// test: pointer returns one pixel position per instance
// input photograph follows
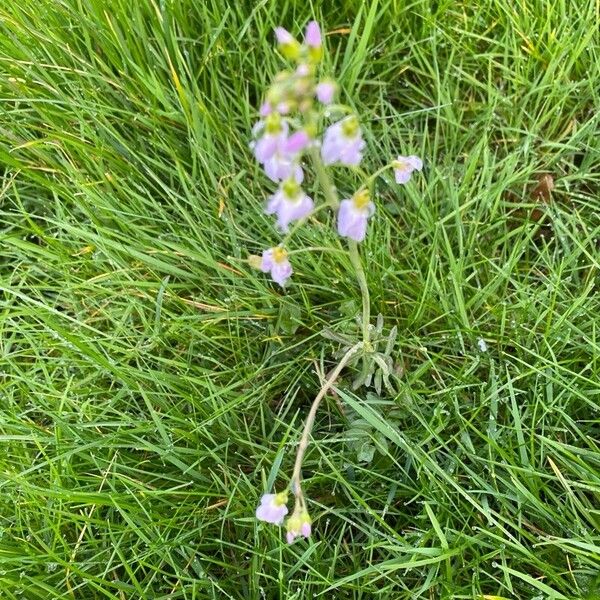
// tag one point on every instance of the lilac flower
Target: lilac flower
(353, 216)
(325, 91)
(297, 142)
(276, 261)
(298, 524)
(404, 166)
(271, 149)
(343, 143)
(284, 36)
(281, 166)
(272, 508)
(303, 70)
(289, 203)
(273, 132)
(313, 35)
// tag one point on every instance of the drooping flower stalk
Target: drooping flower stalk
(310, 419)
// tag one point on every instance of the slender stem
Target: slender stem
(324, 179)
(310, 419)
(377, 173)
(364, 289)
(332, 200)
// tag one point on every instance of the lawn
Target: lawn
(153, 384)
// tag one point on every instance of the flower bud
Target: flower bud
(255, 261)
(325, 91)
(313, 42)
(299, 523)
(288, 45)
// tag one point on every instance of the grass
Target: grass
(152, 384)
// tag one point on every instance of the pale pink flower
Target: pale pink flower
(272, 508)
(343, 143)
(275, 260)
(313, 35)
(288, 45)
(297, 142)
(289, 203)
(270, 150)
(314, 42)
(353, 216)
(404, 166)
(280, 166)
(303, 70)
(325, 91)
(283, 108)
(273, 133)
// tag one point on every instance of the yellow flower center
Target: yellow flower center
(361, 199)
(315, 53)
(350, 127)
(290, 188)
(281, 498)
(400, 164)
(273, 123)
(279, 256)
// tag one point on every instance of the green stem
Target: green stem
(364, 289)
(377, 173)
(324, 179)
(332, 200)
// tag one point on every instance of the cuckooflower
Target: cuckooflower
(302, 70)
(270, 149)
(265, 109)
(404, 166)
(353, 216)
(272, 508)
(343, 143)
(280, 166)
(313, 35)
(289, 203)
(273, 132)
(283, 108)
(276, 261)
(325, 91)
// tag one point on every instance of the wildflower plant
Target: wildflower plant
(301, 129)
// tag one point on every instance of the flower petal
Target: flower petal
(313, 35)
(325, 92)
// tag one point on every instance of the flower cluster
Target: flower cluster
(273, 509)
(290, 119)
